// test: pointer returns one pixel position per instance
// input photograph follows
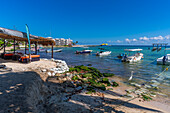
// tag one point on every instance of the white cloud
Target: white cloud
(127, 40)
(144, 38)
(167, 37)
(134, 40)
(157, 38)
(118, 41)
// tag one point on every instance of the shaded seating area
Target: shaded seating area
(22, 36)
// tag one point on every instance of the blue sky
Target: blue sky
(91, 21)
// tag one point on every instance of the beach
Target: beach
(27, 88)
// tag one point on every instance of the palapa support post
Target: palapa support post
(36, 48)
(4, 45)
(25, 47)
(30, 52)
(52, 51)
(14, 45)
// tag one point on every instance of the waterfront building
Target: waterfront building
(62, 41)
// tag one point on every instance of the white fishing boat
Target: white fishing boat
(132, 58)
(84, 51)
(103, 53)
(164, 60)
(58, 50)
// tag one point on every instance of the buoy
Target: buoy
(166, 69)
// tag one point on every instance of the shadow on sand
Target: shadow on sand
(13, 97)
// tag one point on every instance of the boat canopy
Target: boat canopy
(133, 49)
(22, 36)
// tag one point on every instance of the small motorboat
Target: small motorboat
(154, 48)
(104, 44)
(159, 48)
(134, 58)
(84, 52)
(164, 60)
(49, 51)
(103, 53)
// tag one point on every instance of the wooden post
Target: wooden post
(25, 47)
(52, 51)
(36, 48)
(14, 45)
(4, 45)
(30, 53)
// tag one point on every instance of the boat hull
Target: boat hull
(160, 61)
(104, 53)
(137, 57)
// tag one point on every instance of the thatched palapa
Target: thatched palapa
(22, 36)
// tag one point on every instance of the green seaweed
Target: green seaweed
(75, 78)
(87, 75)
(99, 86)
(108, 74)
(146, 98)
(115, 84)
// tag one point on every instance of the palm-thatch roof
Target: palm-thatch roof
(22, 36)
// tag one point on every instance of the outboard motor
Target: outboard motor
(164, 60)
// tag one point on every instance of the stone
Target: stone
(49, 73)
(45, 59)
(79, 88)
(152, 95)
(53, 74)
(65, 99)
(129, 95)
(43, 70)
(136, 85)
(129, 90)
(52, 59)
(147, 86)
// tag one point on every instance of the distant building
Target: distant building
(62, 41)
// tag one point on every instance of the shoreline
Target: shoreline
(115, 95)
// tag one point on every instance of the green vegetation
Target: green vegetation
(92, 77)
(146, 97)
(108, 74)
(75, 78)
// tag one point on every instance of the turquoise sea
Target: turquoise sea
(145, 70)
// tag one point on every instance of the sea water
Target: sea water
(146, 70)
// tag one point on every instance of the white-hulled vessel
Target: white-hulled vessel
(164, 60)
(134, 58)
(58, 50)
(103, 53)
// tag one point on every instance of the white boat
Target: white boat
(134, 58)
(84, 51)
(103, 53)
(164, 60)
(58, 50)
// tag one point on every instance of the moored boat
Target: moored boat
(164, 60)
(134, 58)
(84, 51)
(58, 50)
(103, 53)
(104, 44)
(154, 48)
